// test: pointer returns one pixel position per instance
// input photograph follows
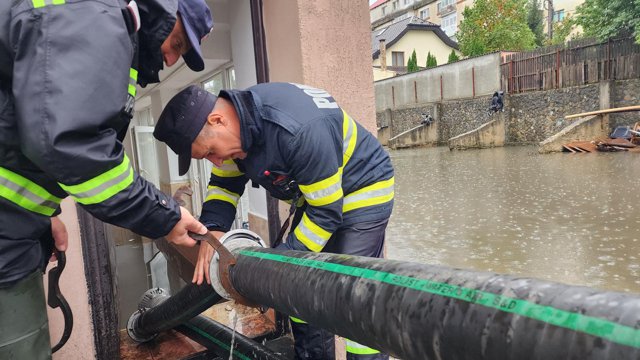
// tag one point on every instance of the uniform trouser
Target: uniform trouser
(362, 239)
(24, 327)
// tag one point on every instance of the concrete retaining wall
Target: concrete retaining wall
(478, 76)
(491, 134)
(384, 135)
(421, 135)
(584, 129)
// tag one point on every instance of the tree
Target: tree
(535, 19)
(608, 18)
(412, 64)
(431, 60)
(453, 57)
(562, 30)
(492, 25)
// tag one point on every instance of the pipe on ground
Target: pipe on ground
(160, 312)
(416, 311)
(221, 340)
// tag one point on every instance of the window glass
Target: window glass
(397, 58)
(214, 84)
(231, 75)
(449, 24)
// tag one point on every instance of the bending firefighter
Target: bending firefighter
(297, 143)
(68, 74)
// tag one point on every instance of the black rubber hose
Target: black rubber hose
(218, 338)
(416, 311)
(163, 312)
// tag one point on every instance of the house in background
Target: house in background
(445, 13)
(448, 13)
(391, 46)
(561, 10)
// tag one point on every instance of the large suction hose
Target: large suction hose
(415, 311)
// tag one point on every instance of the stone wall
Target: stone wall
(537, 115)
(625, 93)
(453, 117)
(529, 118)
(461, 116)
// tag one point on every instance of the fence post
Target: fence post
(393, 96)
(510, 82)
(557, 69)
(415, 90)
(441, 92)
(473, 80)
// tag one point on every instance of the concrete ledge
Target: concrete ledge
(421, 135)
(383, 135)
(491, 134)
(585, 129)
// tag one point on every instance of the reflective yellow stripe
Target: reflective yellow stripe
(349, 137)
(103, 186)
(133, 79)
(375, 194)
(296, 320)
(311, 235)
(329, 190)
(218, 193)
(43, 3)
(325, 191)
(228, 169)
(355, 348)
(27, 194)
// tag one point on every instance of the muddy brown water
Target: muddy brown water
(571, 218)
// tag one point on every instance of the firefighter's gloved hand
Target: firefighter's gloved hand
(178, 235)
(292, 244)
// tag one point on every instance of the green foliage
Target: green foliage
(492, 25)
(608, 18)
(431, 60)
(561, 31)
(453, 57)
(412, 63)
(535, 19)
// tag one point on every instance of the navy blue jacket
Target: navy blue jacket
(299, 141)
(65, 77)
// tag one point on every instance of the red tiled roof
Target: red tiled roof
(377, 3)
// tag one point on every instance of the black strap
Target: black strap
(285, 225)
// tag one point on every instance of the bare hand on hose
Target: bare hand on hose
(60, 236)
(178, 235)
(205, 254)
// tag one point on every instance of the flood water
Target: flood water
(571, 218)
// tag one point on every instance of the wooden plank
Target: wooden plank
(605, 111)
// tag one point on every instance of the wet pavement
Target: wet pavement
(571, 218)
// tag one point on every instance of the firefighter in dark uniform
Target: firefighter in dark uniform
(68, 74)
(297, 143)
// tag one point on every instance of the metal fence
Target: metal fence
(578, 63)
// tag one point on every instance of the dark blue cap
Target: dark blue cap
(197, 21)
(181, 122)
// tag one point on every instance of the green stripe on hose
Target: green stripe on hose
(609, 330)
(218, 342)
